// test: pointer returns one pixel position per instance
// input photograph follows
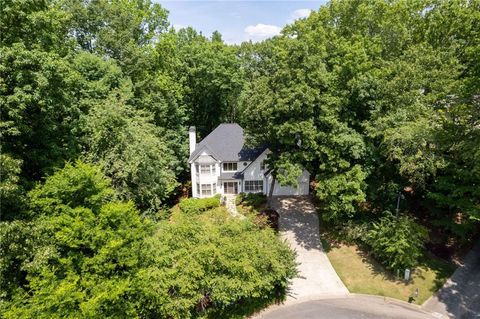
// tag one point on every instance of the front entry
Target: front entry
(230, 188)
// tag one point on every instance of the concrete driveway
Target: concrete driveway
(460, 296)
(299, 225)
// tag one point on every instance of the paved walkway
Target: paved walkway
(460, 296)
(232, 206)
(299, 225)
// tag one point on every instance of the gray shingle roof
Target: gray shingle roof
(227, 144)
(230, 176)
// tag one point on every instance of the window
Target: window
(198, 189)
(206, 189)
(207, 169)
(262, 165)
(197, 169)
(214, 188)
(254, 186)
(229, 167)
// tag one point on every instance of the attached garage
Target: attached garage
(302, 189)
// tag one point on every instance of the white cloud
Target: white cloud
(261, 31)
(298, 14)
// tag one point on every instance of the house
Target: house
(221, 164)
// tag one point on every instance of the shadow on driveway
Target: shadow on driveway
(460, 296)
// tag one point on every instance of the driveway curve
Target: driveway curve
(299, 225)
(351, 307)
(459, 298)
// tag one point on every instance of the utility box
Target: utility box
(407, 275)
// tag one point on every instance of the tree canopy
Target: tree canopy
(378, 100)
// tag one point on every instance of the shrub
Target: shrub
(256, 200)
(268, 217)
(212, 265)
(239, 199)
(199, 205)
(397, 242)
(353, 231)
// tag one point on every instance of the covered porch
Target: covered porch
(230, 183)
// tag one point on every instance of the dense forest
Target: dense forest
(379, 100)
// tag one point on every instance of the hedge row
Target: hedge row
(199, 205)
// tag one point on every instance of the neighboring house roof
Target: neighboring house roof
(227, 144)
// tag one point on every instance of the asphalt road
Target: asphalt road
(352, 307)
(460, 296)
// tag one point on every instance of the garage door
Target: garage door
(302, 189)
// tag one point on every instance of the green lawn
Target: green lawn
(361, 274)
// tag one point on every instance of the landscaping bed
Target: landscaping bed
(362, 274)
(255, 205)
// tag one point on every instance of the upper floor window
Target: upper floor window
(262, 165)
(230, 167)
(207, 169)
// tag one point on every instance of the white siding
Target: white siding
(251, 171)
(302, 189)
(203, 178)
(254, 172)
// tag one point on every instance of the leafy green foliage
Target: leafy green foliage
(255, 200)
(194, 206)
(78, 185)
(373, 97)
(87, 252)
(212, 263)
(119, 29)
(397, 242)
(11, 193)
(17, 241)
(212, 76)
(37, 24)
(39, 108)
(131, 150)
(340, 194)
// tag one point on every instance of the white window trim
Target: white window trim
(210, 190)
(234, 170)
(257, 186)
(211, 169)
(207, 188)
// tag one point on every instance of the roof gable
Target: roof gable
(227, 142)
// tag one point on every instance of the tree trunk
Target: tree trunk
(270, 191)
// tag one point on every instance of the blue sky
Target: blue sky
(237, 21)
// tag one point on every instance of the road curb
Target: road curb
(395, 301)
(389, 300)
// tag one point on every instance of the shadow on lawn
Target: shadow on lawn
(442, 270)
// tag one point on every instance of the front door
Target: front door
(230, 187)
